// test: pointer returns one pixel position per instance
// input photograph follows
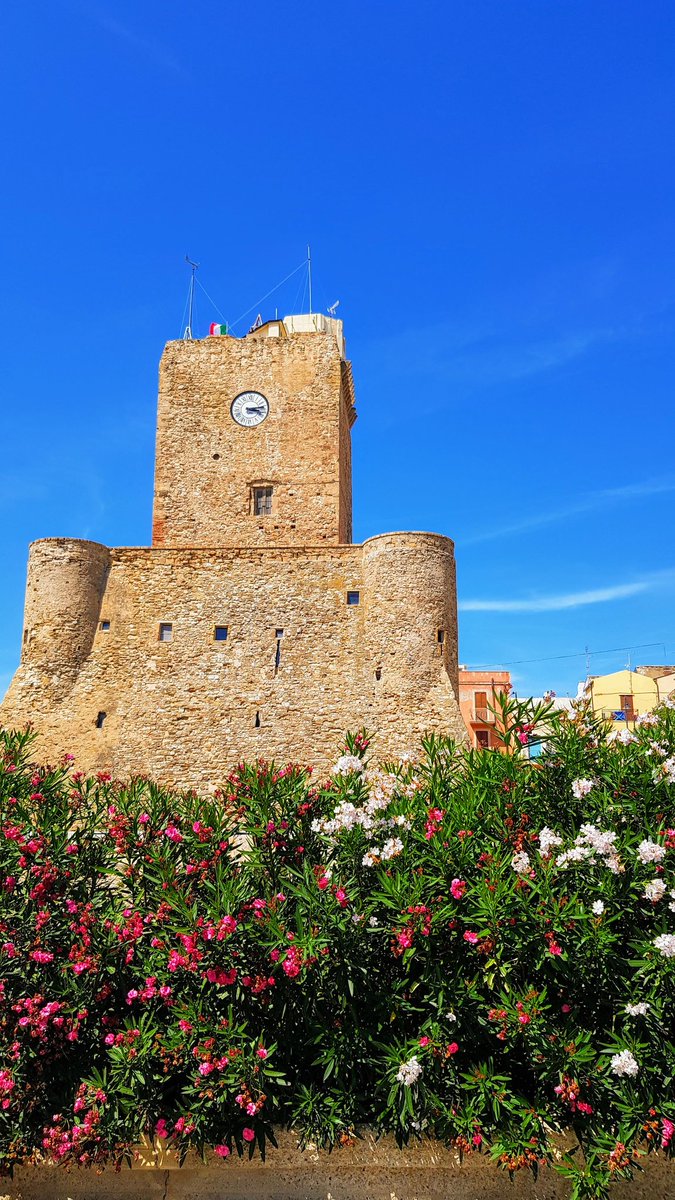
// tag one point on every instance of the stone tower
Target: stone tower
(252, 626)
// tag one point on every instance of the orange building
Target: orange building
(478, 691)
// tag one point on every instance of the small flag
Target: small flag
(217, 330)
(619, 716)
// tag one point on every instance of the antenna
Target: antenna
(332, 308)
(309, 276)
(187, 335)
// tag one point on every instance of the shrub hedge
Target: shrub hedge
(466, 945)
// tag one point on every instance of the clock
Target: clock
(249, 408)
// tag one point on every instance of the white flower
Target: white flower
(623, 1064)
(357, 918)
(597, 908)
(410, 1072)
(622, 735)
(581, 787)
(601, 842)
(373, 922)
(348, 765)
(665, 944)
(655, 890)
(521, 862)
(669, 766)
(547, 839)
(647, 718)
(370, 859)
(451, 1016)
(649, 851)
(637, 1010)
(392, 847)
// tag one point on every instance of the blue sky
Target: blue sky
(487, 189)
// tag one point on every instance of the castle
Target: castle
(253, 626)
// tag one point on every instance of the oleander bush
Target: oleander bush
(465, 945)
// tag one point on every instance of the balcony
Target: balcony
(483, 716)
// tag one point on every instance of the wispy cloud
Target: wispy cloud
(149, 47)
(591, 502)
(483, 354)
(555, 603)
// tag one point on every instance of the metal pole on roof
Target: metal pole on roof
(187, 336)
(309, 275)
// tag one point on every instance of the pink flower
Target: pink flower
(667, 1131)
(477, 1139)
(524, 1018)
(206, 1068)
(458, 888)
(173, 833)
(554, 948)
(566, 1008)
(221, 1151)
(261, 1052)
(471, 937)
(161, 1130)
(41, 956)
(452, 1049)
(424, 1041)
(248, 1134)
(132, 995)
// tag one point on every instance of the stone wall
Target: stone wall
(184, 710)
(369, 1170)
(207, 464)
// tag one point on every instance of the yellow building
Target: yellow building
(624, 695)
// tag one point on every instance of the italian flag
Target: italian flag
(218, 330)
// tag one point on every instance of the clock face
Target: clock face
(249, 408)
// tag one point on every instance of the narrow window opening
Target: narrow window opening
(262, 501)
(216, 457)
(220, 633)
(257, 720)
(104, 626)
(441, 636)
(100, 719)
(277, 655)
(279, 633)
(165, 632)
(353, 598)
(25, 636)
(378, 672)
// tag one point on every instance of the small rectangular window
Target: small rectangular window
(441, 636)
(353, 598)
(262, 501)
(104, 626)
(483, 739)
(279, 633)
(220, 633)
(165, 632)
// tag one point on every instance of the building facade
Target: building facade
(478, 694)
(622, 696)
(253, 626)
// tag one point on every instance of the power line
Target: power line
(516, 662)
